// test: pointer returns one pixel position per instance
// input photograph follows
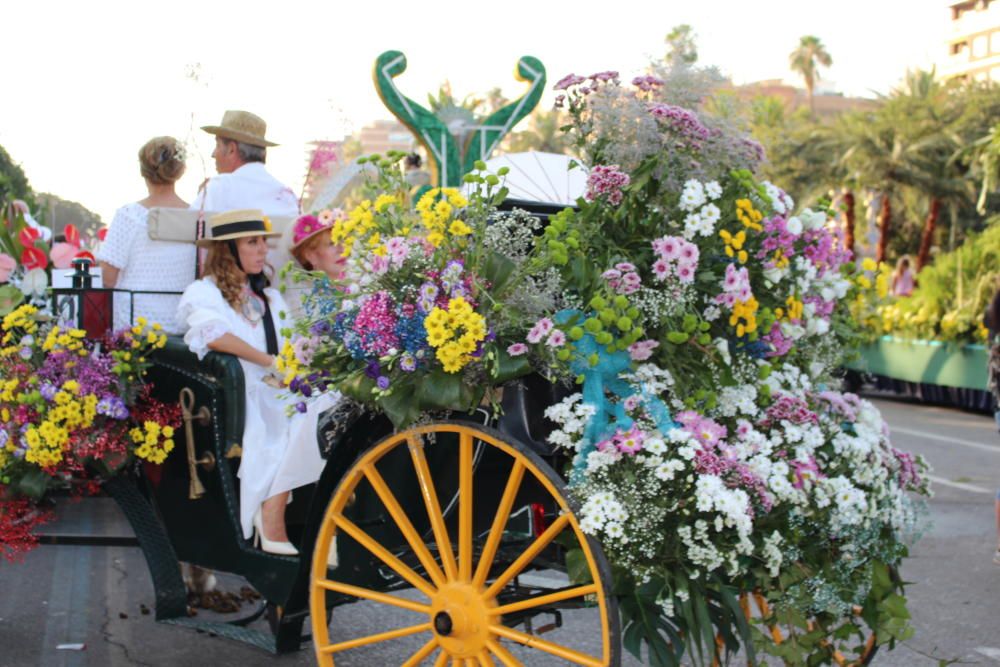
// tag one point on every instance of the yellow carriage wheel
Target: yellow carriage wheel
(465, 617)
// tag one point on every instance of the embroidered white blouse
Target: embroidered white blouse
(280, 452)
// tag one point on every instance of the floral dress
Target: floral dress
(280, 452)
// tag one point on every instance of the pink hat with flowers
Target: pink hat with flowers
(308, 226)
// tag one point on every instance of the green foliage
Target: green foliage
(13, 182)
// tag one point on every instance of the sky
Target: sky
(87, 83)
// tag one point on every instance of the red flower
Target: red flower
(33, 258)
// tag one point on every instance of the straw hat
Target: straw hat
(241, 126)
(237, 224)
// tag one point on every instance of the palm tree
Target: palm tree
(806, 60)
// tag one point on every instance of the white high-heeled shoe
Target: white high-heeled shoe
(261, 542)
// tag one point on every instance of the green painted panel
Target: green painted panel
(930, 362)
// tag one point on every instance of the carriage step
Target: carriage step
(92, 521)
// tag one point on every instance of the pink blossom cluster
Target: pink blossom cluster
(544, 329)
(607, 181)
(675, 256)
(647, 82)
(779, 342)
(735, 286)
(846, 405)
(626, 442)
(569, 81)
(805, 472)
(623, 278)
(776, 237)
(716, 457)
(703, 429)
(375, 324)
(642, 350)
(682, 121)
(789, 408)
(825, 249)
(909, 475)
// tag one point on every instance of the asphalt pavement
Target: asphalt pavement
(62, 596)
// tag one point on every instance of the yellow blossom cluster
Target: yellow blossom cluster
(779, 259)
(744, 316)
(16, 324)
(70, 340)
(455, 333)
(149, 445)
(358, 224)
(436, 208)
(795, 308)
(288, 363)
(734, 245)
(748, 215)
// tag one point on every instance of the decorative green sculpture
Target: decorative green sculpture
(450, 161)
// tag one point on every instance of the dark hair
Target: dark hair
(413, 160)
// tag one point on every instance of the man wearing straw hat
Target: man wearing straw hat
(243, 181)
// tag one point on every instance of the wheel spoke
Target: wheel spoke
(496, 531)
(404, 524)
(503, 654)
(425, 651)
(374, 639)
(383, 554)
(374, 596)
(485, 660)
(522, 561)
(433, 506)
(442, 659)
(465, 507)
(551, 648)
(557, 596)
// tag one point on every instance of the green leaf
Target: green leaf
(33, 483)
(400, 408)
(577, 568)
(10, 298)
(498, 270)
(508, 367)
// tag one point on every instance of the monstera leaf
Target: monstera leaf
(10, 298)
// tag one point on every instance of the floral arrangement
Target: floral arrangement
(432, 292)
(72, 411)
(702, 319)
(26, 260)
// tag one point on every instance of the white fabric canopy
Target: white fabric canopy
(541, 177)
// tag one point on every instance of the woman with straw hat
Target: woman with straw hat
(232, 309)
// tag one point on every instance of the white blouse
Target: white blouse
(144, 264)
(280, 451)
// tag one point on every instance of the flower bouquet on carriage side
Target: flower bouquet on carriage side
(72, 412)
(743, 501)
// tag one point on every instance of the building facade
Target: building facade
(973, 41)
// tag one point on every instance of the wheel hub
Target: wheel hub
(461, 617)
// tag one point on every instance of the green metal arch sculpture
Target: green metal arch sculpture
(449, 161)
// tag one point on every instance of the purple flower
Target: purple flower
(606, 181)
(408, 363)
(567, 81)
(302, 407)
(382, 382)
(517, 349)
(373, 370)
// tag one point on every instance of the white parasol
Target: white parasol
(542, 177)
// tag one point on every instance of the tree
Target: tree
(806, 60)
(13, 182)
(681, 47)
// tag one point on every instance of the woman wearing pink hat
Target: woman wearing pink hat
(312, 246)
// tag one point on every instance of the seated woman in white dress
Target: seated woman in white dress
(233, 310)
(130, 260)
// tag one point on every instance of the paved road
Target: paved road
(96, 595)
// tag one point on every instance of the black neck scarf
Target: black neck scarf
(258, 281)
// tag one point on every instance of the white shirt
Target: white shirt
(250, 186)
(144, 264)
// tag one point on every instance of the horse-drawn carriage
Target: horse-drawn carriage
(460, 528)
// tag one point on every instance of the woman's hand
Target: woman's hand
(232, 344)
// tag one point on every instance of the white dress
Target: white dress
(250, 186)
(144, 264)
(280, 452)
